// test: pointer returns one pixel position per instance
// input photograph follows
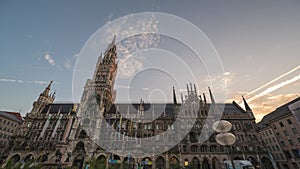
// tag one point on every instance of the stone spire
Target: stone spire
(211, 96)
(43, 100)
(47, 89)
(204, 98)
(247, 107)
(187, 88)
(174, 96)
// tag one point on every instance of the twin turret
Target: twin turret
(44, 99)
(192, 96)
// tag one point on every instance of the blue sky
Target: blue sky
(257, 41)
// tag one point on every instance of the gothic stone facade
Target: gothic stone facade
(55, 134)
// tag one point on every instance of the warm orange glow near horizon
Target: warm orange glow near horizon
(266, 104)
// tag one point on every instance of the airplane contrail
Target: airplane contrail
(275, 87)
(274, 80)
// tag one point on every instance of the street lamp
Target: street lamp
(224, 137)
(186, 163)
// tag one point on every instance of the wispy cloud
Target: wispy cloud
(49, 59)
(275, 87)
(267, 103)
(274, 80)
(8, 80)
(225, 77)
(70, 61)
(220, 82)
(68, 64)
(128, 65)
(40, 82)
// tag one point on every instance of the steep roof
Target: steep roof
(169, 107)
(133, 108)
(64, 107)
(276, 114)
(14, 116)
(148, 108)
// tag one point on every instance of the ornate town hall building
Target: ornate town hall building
(73, 135)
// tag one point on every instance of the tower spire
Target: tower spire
(47, 89)
(49, 85)
(112, 46)
(204, 98)
(187, 88)
(114, 40)
(211, 96)
(181, 97)
(195, 89)
(174, 96)
(247, 107)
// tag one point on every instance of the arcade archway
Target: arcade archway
(174, 163)
(205, 163)
(28, 159)
(147, 163)
(16, 158)
(266, 163)
(78, 161)
(196, 163)
(215, 163)
(101, 162)
(160, 163)
(114, 161)
(128, 162)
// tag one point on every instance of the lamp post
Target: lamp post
(224, 137)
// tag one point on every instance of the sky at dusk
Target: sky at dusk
(257, 42)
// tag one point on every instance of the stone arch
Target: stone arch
(114, 161)
(216, 163)
(174, 162)
(78, 161)
(160, 163)
(15, 158)
(147, 163)
(79, 148)
(205, 163)
(28, 158)
(102, 156)
(266, 163)
(195, 163)
(82, 134)
(101, 161)
(128, 162)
